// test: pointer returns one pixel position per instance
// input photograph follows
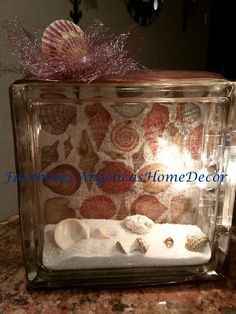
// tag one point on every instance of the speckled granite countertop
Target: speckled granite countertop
(210, 297)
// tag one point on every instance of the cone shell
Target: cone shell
(55, 118)
(138, 158)
(139, 224)
(129, 111)
(116, 170)
(188, 112)
(64, 39)
(196, 241)
(63, 179)
(98, 207)
(195, 141)
(68, 147)
(99, 120)
(57, 209)
(152, 185)
(154, 124)
(180, 205)
(49, 154)
(124, 137)
(149, 206)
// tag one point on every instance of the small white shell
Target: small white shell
(139, 224)
(120, 247)
(70, 231)
(142, 245)
(196, 241)
(100, 233)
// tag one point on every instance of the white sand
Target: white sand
(99, 253)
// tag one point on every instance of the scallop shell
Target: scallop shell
(55, 118)
(188, 112)
(180, 205)
(142, 245)
(88, 158)
(99, 120)
(138, 224)
(63, 179)
(114, 155)
(196, 241)
(149, 175)
(68, 147)
(195, 141)
(64, 39)
(149, 206)
(100, 233)
(57, 209)
(169, 242)
(129, 111)
(49, 154)
(98, 207)
(70, 231)
(154, 124)
(123, 137)
(138, 158)
(121, 178)
(120, 247)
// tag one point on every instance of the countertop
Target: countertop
(204, 297)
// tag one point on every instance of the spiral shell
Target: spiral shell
(68, 147)
(64, 39)
(129, 111)
(49, 155)
(123, 137)
(63, 179)
(196, 241)
(114, 155)
(55, 118)
(99, 120)
(57, 209)
(195, 141)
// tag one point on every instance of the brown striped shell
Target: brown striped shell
(49, 154)
(124, 137)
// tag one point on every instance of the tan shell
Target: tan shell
(49, 154)
(138, 224)
(68, 147)
(100, 233)
(55, 118)
(129, 110)
(120, 247)
(114, 155)
(142, 245)
(57, 209)
(123, 137)
(196, 241)
(138, 158)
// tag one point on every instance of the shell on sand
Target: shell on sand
(124, 137)
(142, 245)
(55, 118)
(63, 179)
(68, 147)
(98, 207)
(195, 141)
(49, 154)
(99, 120)
(180, 205)
(120, 247)
(196, 241)
(138, 158)
(129, 111)
(169, 242)
(154, 124)
(139, 224)
(57, 209)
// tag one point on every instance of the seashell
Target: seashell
(49, 155)
(68, 147)
(115, 178)
(142, 245)
(123, 211)
(88, 158)
(55, 118)
(129, 111)
(149, 206)
(123, 137)
(169, 242)
(154, 124)
(138, 158)
(120, 247)
(180, 205)
(63, 179)
(70, 231)
(188, 112)
(100, 233)
(195, 141)
(176, 137)
(196, 241)
(99, 120)
(57, 209)
(138, 224)
(149, 175)
(114, 155)
(98, 207)
(64, 39)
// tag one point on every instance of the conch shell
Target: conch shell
(49, 154)
(195, 141)
(138, 224)
(55, 118)
(99, 120)
(68, 147)
(129, 111)
(196, 241)
(123, 137)
(154, 124)
(120, 247)
(57, 209)
(138, 158)
(70, 231)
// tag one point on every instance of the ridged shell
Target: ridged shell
(138, 158)
(55, 118)
(114, 155)
(169, 242)
(49, 154)
(129, 111)
(142, 245)
(196, 241)
(123, 137)
(195, 141)
(57, 209)
(188, 112)
(100, 233)
(99, 120)
(70, 231)
(98, 207)
(180, 205)
(68, 147)
(138, 224)
(149, 206)
(63, 179)
(120, 247)
(64, 39)
(154, 124)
